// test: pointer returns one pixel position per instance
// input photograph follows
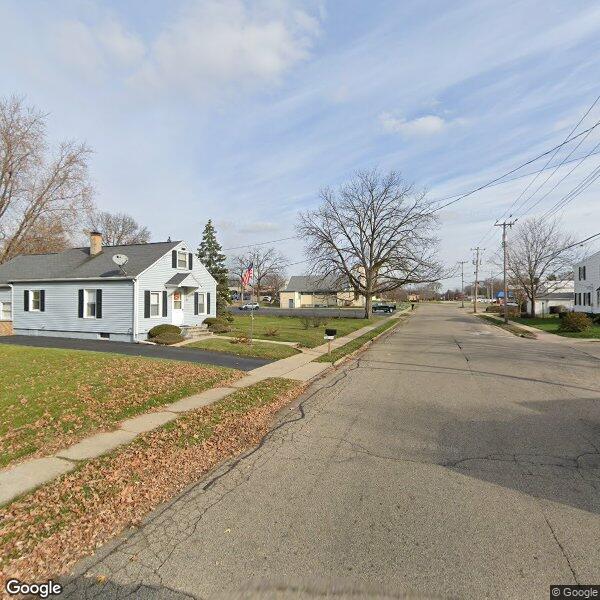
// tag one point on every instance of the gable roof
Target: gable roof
(314, 283)
(76, 263)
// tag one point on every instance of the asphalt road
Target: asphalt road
(174, 353)
(451, 459)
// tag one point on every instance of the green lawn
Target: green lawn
(292, 329)
(50, 398)
(518, 331)
(551, 325)
(257, 349)
(358, 342)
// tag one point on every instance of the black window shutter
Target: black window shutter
(26, 300)
(146, 304)
(80, 303)
(164, 303)
(195, 303)
(190, 261)
(42, 300)
(174, 259)
(208, 303)
(98, 304)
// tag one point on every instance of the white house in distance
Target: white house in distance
(587, 285)
(86, 293)
(554, 293)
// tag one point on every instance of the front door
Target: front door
(177, 308)
(290, 303)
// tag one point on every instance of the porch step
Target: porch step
(194, 331)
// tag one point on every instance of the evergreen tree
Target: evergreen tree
(209, 253)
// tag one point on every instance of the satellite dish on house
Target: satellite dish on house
(120, 259)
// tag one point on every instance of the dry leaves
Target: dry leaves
(50, 399)
(43, 533)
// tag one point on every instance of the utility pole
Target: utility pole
(504, 225)
(476, 262)
(491, 286)
(462, 282)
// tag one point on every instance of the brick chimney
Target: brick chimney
(95, 243)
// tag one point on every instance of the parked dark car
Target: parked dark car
(385, 308)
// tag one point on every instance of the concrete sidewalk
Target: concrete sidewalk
(25, 476)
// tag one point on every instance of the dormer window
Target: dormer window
(182, 260)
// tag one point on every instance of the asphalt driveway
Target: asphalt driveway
(174, 353)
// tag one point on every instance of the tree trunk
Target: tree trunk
(532, 312)
(368, 305)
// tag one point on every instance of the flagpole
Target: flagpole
(252, 309)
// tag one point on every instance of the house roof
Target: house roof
(557, 296)
(76, 263)
(183, 280)
(313, 283)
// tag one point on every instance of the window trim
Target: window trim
(31, 300)
(183, 253)
(86, 302)
(203, 311)
(158, 305)
(2, 307)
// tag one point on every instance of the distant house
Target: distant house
(587, 285)
(554, 293)
(308, 291)
(83, 293)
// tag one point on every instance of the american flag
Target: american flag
(247, 274)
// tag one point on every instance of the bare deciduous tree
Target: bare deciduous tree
(39, 190)
(267, 263)
(536, 256)
(118, 229)
(376, 232)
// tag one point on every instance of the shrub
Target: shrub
(558, 309)
(219, 327)
(227, 315)
(167, 339)
(306, 322)
(161, 330)
(318, 321)
(211, 321)
(575, 323)
(493, 308)
(271, 331)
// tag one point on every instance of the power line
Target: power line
(528, 162)
(293, 237)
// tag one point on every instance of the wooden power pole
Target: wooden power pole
(477, 263)
(462, 282)
(504, 225)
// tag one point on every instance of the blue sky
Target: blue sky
(240, 111)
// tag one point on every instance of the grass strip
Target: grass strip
(43, 533)
(518, 331)
(356, 343)
(256, 350)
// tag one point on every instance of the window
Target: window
(201, 306)
(582, 273)
(177, 301)
(35, 298)
(182, 260)
(90, 304)
(6, 311)
(105, 336)
(155, 304)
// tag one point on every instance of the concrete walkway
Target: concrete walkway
(25, 476)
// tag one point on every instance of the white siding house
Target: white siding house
(83, 293)
(587, 285)
(554, 293)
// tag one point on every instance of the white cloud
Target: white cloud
(216, 45)
(427, 125)
(123, 46)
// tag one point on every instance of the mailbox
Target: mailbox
(330, 334)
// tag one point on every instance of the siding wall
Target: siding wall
(154, 279)
(61, 315)
(588, 285)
